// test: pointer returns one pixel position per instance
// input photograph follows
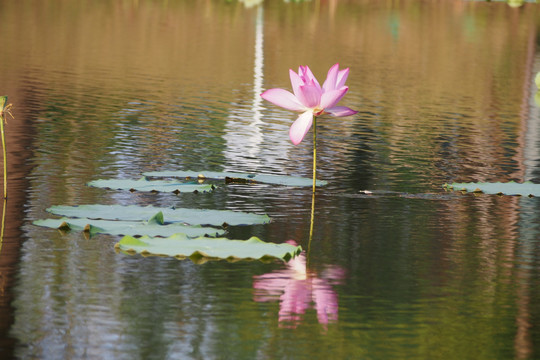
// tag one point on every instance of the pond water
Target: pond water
(111, 89)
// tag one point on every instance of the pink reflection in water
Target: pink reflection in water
(300, 289)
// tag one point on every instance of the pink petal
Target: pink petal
(331, 98)
(333, 274)
(270, 284)
(342, 78)
(340, 111)
(294, 300)
(310, 77)
(326, 301)
(296, 81)
(300, 127)
(303, 73)
(331, 78)
(283, 98)
(310, 95)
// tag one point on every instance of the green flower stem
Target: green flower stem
(4, 153)
(314, 151)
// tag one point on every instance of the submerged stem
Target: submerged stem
(2, 225)
(312, 220)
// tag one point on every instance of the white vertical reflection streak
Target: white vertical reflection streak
(258, 68)
(531, 151)
(528, 216)
(258, 75)
(243, 141)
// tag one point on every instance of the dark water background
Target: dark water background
(111, 89)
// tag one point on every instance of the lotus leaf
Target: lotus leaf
(154, 227)
(181, 247)
(141, 213)
(144, 184)
(509, 188)
(239, 177)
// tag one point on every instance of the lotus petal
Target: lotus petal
(309, 95)
(331, 78)
(340, 111)
(342, 78)
(283, 98)
(300, 127)
(330, 98)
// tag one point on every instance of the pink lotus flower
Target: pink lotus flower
(310, 98)
(299, 289)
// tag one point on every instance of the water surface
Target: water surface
(445, 93)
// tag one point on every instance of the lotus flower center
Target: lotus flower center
(317, 111)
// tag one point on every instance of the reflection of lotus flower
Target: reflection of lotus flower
(298, 289)
(310, 98)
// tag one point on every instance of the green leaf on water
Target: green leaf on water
(144, 184)
(182, 247)
(157, 219)
(239, 177)
(141, 213)
(154, 227)
(509, 188)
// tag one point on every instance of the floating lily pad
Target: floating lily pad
(154, 227)
(376, 194)
(144, 184)
(182, 247)
(239, 177)
(141, 213)
(509, 188)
